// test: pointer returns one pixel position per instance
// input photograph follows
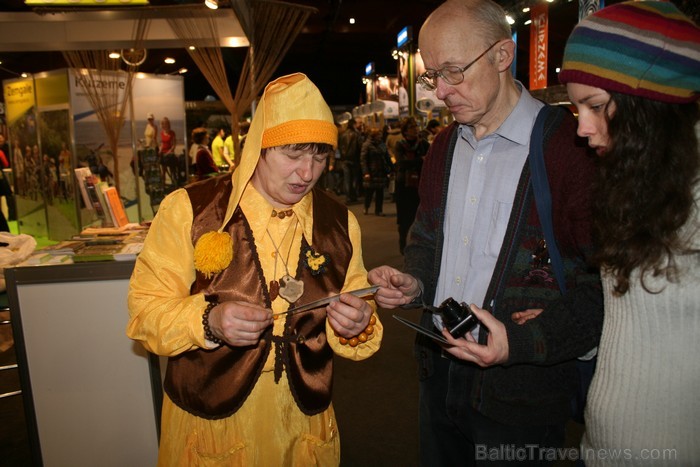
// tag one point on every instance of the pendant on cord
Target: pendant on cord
(274, 290)
(290, 288)
(287, 287)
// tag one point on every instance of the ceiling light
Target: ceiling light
(526, 9)
(192, 47)
(510, 19)
(352, 21)
(24, 75)
(182, 71)
(169, 60)
(114, 55)
(212, 4)
(527, 22)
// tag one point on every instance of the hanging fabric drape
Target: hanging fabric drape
(95, 68)
(271, 27)
(198, 29)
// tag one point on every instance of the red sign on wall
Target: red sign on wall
(538, 46)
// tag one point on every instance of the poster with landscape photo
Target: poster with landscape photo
(162, 96)
(20, 102)
(56, 173)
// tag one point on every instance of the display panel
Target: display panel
(92, 395)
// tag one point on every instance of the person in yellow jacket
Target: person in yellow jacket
(229, 151)
(246, 385)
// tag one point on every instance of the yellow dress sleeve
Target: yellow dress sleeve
(163, 316)
(356, 278)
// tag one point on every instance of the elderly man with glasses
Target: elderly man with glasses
(503, 391)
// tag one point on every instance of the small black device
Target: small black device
(457, 317)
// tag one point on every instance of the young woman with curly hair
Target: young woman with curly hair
(646, 188)
(633, 72)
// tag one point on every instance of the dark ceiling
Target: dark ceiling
(330, 50)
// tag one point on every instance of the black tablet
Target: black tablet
(417, 327)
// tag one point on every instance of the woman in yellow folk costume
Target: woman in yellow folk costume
(243, 386)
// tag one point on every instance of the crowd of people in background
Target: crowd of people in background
(164, 141)
(213, 153)
(378, 163)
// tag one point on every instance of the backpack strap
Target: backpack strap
(543, 197)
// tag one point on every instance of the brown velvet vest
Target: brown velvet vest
(213, 384)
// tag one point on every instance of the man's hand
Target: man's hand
(349, 316)
(395, 288)
(466, 348)
(239, 324)
(522, 317)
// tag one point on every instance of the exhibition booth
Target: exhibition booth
(390, 98)
(55, 129)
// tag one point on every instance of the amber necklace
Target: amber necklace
(286, 287)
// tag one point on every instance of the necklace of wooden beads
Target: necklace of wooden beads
(287, 287)
(282, 214)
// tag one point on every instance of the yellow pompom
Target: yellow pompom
(213, 253)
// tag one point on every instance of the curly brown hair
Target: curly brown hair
(644, 188)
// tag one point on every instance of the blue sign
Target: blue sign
(404, 36)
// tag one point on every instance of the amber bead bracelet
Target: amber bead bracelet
(361, 337)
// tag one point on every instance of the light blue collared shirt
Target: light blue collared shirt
(483, 179)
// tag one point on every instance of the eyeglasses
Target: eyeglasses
(453, 75)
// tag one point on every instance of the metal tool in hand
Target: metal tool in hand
(325, 301)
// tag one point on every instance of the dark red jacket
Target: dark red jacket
(538, 382)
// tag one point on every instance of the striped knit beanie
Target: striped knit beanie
(645, 48)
